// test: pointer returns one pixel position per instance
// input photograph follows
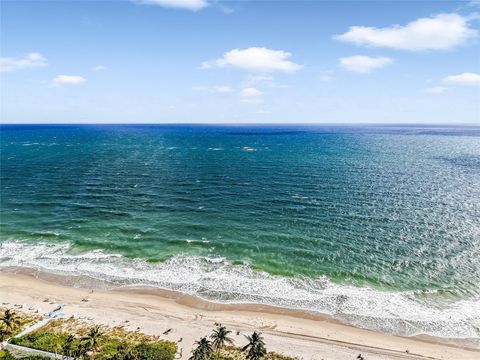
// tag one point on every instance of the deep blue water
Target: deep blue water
(367, 223)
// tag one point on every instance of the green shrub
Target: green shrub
(5, 355)
(42, 341)
(108, 345)
(157, 351)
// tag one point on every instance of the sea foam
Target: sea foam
(216, 279)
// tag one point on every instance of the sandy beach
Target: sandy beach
(288, 332)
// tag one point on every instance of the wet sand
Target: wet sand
(290, 332)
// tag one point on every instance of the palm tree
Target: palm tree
(10, 320)
(203, 351)
(220, 338)
(92, 339)
(256, 347)
(67, 347)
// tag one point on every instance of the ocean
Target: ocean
(378, 226)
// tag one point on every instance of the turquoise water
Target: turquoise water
(378, 226)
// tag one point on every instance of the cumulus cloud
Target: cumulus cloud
(436, 90)
(98, 68)
(440, 32)
(193, 5)
(250, 92)
(364, 64)
(255, 59)
(32, 60)
(68, 80)
(465, 79)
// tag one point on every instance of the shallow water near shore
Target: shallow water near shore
(376, 226)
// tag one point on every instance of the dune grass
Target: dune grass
(55, 335)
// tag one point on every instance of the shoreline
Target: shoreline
(403, 313)
(290, 332)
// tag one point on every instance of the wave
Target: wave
(404, 313)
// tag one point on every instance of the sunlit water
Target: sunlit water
(377, 226)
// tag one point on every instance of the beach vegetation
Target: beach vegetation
(220, 338)
(73, 339)
(125, 351)
(221, 347)
(92, 339)
(203, 350)
(67, 346)
(42, 340)
(152, 351)
(5, 355)
(255, 347)
(10, 320)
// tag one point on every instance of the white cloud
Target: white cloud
(68, 80)
(223, 89)
(252, 101)
(98, 68)
(436, 89)
(193, 5)
(465, 79)
(32, 60)
(440, 32)
(257, 59)
(364, 64)
(250, 92)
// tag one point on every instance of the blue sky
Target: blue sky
(206, 61)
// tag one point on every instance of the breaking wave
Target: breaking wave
(405, 313)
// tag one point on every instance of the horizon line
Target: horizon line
(248, 123)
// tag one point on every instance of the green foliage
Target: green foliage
(12, 323)
(9, 324)
(93, 339)
(236, 353)
(42, 340)
(156, 351)
(68, 346)
(10, 320)
(220, 337)
(203, 350)
(256, 347)
(5, 355)
(125, 352)
(4, 333)
(107, 347)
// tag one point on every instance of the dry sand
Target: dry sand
(293, 333)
